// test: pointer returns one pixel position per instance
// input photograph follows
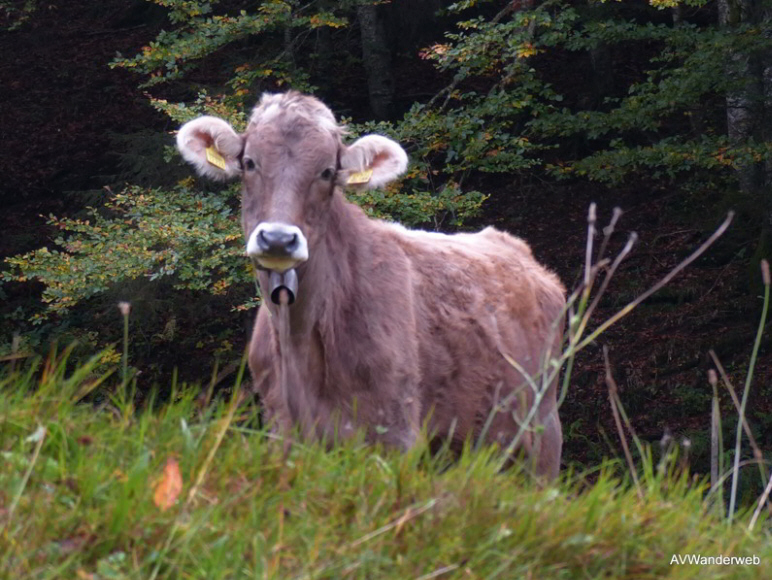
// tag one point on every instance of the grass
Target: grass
(81, 468)
(98, 484)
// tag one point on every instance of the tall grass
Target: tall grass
(78, 479)
(81, 473)
(578, 312)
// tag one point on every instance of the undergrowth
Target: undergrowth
(92, 487)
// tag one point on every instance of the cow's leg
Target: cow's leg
(548, 446)
(405, 421)
(541, 440)
(262, 366)
(402, 438)
(392, 415)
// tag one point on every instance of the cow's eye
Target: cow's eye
(327, 174)
(249, 165)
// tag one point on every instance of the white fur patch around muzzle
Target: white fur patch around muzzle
(262, 246)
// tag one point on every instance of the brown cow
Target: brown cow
(389, 327)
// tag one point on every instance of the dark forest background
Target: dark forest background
(517, 114)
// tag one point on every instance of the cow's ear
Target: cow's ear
(212, 147)
(373, 161)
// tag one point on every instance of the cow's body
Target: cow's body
(392, 326)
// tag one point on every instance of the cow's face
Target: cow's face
(291, 159)
(290, 167)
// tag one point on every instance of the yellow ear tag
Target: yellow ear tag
(360, 177)
(214, 158)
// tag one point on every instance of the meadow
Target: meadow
(99, 483)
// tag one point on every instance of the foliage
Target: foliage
(201, 32)
(506, 126)
(14, 14)
(90, 489)
(201, 247)
(517, 101)
(484, 130)
(191, 236)
(667, 124)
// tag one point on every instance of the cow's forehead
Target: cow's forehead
(294, 108)
(291, 140)
(293, 125)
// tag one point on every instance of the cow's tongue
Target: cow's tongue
(287, 280)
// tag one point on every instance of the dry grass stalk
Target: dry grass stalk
(613, 399)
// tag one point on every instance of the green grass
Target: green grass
(77, 482)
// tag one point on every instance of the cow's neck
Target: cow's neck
(327, 281)
(318, 319)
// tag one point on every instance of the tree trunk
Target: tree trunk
(289, 49)
(413, 22)
(377, 60)
(748, 112)
(765, 67)
(602, 73)
(601, 62)
(325, 58)
(744, 99)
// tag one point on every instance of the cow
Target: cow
(372, 326)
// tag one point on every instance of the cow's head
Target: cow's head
(290, 159)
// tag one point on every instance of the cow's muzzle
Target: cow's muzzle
(277, 247)
(278, 243)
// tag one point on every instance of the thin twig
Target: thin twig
(40, 436)
(218, 439)
(409, 514)
(612, 391)
(664, 281)
(438, 572)
(606, 279)
(534, 407)
(747, 388)
(576, 327)
(716, 437)
(591, 219)
(608, 231)
(762, 500)
(575, 342)
(399, 522)
(199, 480)
(728, 473)
(751, 439)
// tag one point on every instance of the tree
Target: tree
(517, 101)
(198, 246)
(376, 55)
(749, 97)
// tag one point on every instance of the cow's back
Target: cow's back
(477, 297)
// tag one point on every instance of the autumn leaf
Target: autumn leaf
(169, 486)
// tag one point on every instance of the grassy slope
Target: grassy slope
(87, 509)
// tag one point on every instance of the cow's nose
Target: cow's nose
(277, 242)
